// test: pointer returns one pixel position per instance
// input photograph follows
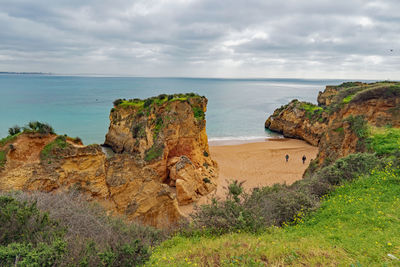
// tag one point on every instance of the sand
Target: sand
(259, 164)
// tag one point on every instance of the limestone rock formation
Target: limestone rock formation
(299, 120)
(336, 123)
(161, 160)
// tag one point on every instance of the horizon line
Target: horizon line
(179, 77)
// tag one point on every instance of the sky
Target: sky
(345, 39)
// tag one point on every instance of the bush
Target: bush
(28, 237)
(198, 113)
(252, 212)
(279, 204)
(39, 127)
(162, 96)
(14, 130)
(348, 168)
(22, 222)
(117, 102)
(148, 102)
(358, 125)
(93, 238)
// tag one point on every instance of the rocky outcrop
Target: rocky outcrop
(299, 120)
(325, 98)
(167, 135)
(161, 160)
(339, 119)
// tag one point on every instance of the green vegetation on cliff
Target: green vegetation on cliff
(3, 158)
(358, 92)
(158, 100)
(154, 152)
(48, 151)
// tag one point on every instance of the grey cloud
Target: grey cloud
(253, 38)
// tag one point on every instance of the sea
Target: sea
(80, 105)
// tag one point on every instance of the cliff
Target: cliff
(161, 160)
(339, 124)
(299, 120)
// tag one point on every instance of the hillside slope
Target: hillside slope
(356, 224)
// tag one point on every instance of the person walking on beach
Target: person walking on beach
(304, 158)
(287, 157)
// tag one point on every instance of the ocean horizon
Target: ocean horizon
(79, 105)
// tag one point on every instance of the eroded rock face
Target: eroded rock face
(331, 124)
(294, 121)
(161, 161)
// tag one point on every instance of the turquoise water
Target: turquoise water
(79, 106)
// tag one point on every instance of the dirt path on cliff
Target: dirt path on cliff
(259, 164)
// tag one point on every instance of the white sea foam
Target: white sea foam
(234, 140)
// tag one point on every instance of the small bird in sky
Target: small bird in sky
(391, 50)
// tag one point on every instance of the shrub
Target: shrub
(22, 222)
(77, 140)
(170, 97)
(162, 96)
(198, 113)
(348, 168)
(25, 254)
(252, 212)
(358, 125)
(93, 238)
(39, 127)
(14, 130)
(313, 186)
(148, 102)
(28, 237)
(117, 102)
(278, 204)
(382, 91)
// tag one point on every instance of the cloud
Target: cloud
(253, 38)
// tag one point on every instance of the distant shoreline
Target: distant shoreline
(24, 73)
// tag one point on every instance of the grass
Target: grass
(8, 139)
(158, 127)
(58, 143)
(3, 158)
(154, 152)
(313, 112)
(347, 99)
(384, 140)
(356, 224)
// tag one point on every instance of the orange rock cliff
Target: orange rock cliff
(336, 124)
(160, 160)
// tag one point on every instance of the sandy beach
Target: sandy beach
(259, 164)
